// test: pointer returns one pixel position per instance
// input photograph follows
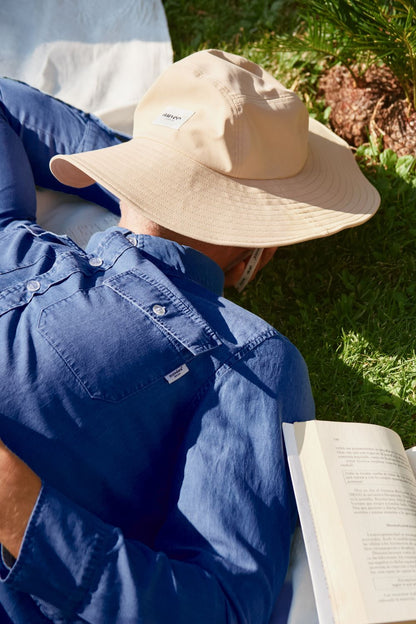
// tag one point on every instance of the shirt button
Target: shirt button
(95, 262)
(33, 285)
(159, 310)
(132, 240)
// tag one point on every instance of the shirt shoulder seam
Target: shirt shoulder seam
(237, 356)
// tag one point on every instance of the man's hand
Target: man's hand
(19, 490)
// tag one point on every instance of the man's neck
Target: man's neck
(133, 220)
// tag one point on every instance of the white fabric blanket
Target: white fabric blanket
(98, 55)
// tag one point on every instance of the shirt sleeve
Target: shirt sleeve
(34, 127)
(223, 552)
(17, 186)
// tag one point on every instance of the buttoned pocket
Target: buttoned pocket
(109, 344)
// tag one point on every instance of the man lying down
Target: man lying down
(143, 474)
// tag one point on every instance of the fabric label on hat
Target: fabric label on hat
(173, 117)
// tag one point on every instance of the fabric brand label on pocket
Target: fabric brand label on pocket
(177, 373)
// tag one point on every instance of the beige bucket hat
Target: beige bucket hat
(224, 153)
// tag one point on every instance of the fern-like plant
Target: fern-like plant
(358, 33)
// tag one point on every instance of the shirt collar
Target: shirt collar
(170, 257)
(174, 258)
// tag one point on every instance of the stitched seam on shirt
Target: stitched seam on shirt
(178, 303)
(80, 375)
(59, 260)
(48, 253)
(82, 591)
(68, 610)
(102, 248)
(91, 571)
(226, 366)
(166, 332)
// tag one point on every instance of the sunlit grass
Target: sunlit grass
(349, 301)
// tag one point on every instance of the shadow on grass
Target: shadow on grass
(226, 25)
(349, 303)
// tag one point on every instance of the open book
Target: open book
(62, 213)
(355, 489)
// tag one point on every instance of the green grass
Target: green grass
(349, 301)
(229, 24)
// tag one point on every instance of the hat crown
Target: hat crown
(222, 153)
(228, 114)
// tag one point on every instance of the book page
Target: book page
(316, 567)
(333, 573)
(363, 501)
(411, 456)
(62, 213)
(78, 221)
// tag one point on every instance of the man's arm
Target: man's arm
(34, 127)
(19, 490)
(223, 552)
(17, 187)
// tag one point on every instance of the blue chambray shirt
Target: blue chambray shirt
(164, 499)
(151, 407)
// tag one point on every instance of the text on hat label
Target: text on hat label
(173, 117)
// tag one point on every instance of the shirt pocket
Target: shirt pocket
(108, 343)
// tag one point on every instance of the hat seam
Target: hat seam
(286, 94)
(217, 171)
(217, 234)
(235, 101)
(289, 96)
(226, 93)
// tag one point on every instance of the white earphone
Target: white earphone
(249, 270)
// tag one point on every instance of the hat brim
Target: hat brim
(168, 187)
